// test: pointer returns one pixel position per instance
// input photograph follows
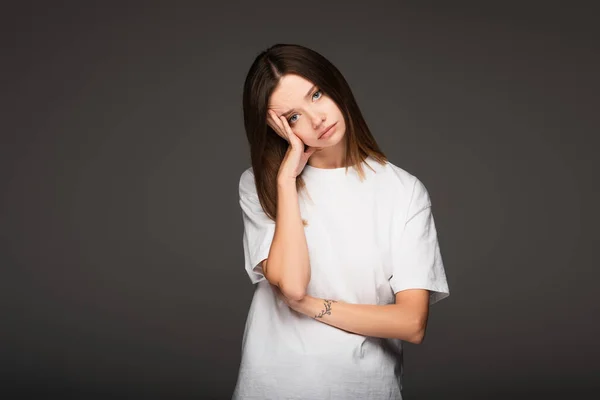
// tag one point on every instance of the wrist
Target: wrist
(285, 182)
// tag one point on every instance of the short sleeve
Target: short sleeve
(416, 258)
(258, 227)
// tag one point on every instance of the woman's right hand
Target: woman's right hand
(295, 158)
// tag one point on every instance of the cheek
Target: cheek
(302, 129)
(333, 109)
(303, 135)
(339, 114)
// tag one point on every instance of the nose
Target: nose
(318, 119)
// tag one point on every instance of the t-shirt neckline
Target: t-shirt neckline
(329, 172)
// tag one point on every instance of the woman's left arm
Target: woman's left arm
(405, 320)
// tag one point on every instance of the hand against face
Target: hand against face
(295, 158)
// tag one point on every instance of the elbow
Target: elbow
(418, 337)
(290, 288)
(293, 293)
(418, 332)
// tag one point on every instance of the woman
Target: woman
(340, 243)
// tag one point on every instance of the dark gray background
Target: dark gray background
(123, 144)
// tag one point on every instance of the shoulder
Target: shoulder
(247, 185)
(398, 177)
(407, 186)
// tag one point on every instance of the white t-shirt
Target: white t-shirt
(366, 241)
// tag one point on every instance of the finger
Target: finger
(272, 115)
(277, 125)
(285, 124)
(270, 118)
(289, 133)
(271, 121)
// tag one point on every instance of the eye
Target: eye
(313, 96)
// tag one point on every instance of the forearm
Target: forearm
(396, 321)
(288, 264)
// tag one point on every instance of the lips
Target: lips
(327, 129)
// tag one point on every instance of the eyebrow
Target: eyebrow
(285, 114)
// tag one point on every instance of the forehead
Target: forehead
(289, 92)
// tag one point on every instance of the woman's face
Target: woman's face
(308, 110)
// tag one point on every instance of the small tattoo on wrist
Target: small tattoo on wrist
(327, 309)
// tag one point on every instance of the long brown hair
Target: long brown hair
(267, 149)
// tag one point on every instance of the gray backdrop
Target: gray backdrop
(123, 144)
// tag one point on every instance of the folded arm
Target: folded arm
(405, 320)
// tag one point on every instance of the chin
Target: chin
(337, 137)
